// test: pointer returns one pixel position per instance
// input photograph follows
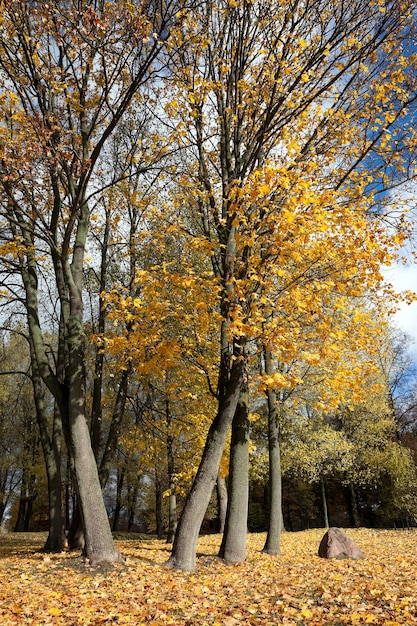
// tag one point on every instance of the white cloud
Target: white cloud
(404, 277)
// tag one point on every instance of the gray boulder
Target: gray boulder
(337, 545)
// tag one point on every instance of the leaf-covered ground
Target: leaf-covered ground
(296, 588)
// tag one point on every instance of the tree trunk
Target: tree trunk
(99, 544)
(2, 510)
(51, 448)
(119, 489)
(112, 440)
(185, 544)
(172, 502)
(132, 496)
(75, 536)
(28, 514)
(158, 506)
(272, 544)
(222, 497)
(27, 495)
(56, 538)
(172, 514)
(21, 514)
(324, 501)
(233, 547)
(353, 506)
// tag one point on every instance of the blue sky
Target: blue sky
(405, 277)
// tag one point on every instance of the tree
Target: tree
(170, 348)
(9, 442)
(69, 73)
(280, 119)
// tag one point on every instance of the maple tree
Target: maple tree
(9, 439)
(284, 126)
(170, 350)
(21, 470)
(226, 165)
(69, 73)
(348, 440)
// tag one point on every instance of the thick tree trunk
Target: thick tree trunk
(233, 546)
(75, 538)
(272, 544)
(185, 544)
(99, 544)
(222, 498)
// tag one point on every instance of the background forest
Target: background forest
(351, 467)
(197, 202)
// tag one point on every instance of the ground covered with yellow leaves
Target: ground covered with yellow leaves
(295, 588)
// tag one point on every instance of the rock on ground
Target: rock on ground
(337, 545)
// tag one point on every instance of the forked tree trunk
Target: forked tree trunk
(185, 544)
(76, 534)
(99, 544)
(233, 546)
(273, 539)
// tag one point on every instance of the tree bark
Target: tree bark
(119, 489)
(172, 514)
(21, 514)
(132, 496)
(353, 506)
(222, 497)
(324, 502)
(185, 544)
(51, 447)
(172, 501)
(158, 506)
(273, 539)
(233, 546)
(99, 544)
(75, 538)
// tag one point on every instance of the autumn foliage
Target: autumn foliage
(298, 588)
(196, 203)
